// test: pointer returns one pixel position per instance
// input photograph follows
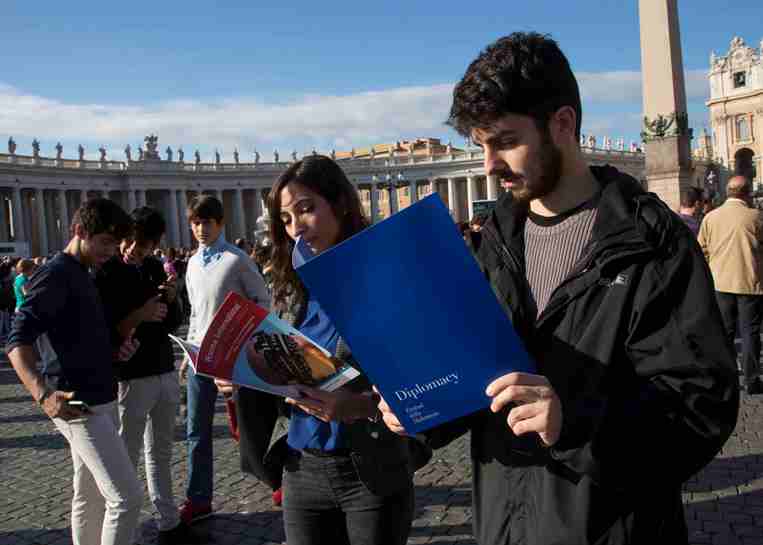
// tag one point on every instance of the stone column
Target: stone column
(219, 195)
(433, 186)
(141, 198)
(238, 213)
(19, 232)
(394, 200)
(43, 220)
(82, 196)
(185, 234)
(173, 228)
(492, 187)
(414, 191)
(260, 200)
(64, 211)
(668, 157)
(374, 204)
(453, 200)
(5, 231)
(131, 203)
(471, 195)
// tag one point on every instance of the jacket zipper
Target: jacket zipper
(553, 305)
(513, 265)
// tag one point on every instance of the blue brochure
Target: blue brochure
(408, 297)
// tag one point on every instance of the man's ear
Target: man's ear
(563, 124)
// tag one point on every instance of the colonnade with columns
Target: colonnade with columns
(457, 192)
(39, 198)
(42, 216)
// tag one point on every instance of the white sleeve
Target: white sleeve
(253, 284)
(192, 323)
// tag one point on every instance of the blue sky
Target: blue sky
(298, 75)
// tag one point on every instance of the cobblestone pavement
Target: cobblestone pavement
(724, 503)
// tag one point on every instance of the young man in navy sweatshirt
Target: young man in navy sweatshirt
(63, 302)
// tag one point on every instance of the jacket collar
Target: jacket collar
(621, 202)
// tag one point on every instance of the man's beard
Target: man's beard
(548, 160)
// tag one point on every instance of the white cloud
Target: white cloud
(323, 121)
(624, 86)
(303, 123)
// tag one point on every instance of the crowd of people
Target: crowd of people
(636, 386)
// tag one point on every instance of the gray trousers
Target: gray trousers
(107, 493)
(147, 409)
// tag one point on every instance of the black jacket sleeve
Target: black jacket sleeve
(674, 411)
(257, 413)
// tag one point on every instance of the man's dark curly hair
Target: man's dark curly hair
(97, 216)
(523, 73)
(149, 225)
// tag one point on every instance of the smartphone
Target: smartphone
(81, 405)
(162, 290)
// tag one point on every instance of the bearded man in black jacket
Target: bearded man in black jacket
(635, 388)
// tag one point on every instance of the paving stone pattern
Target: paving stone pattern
(724, 503)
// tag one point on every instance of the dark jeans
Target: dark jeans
(325, 503)
(744, 310)
(202, 394)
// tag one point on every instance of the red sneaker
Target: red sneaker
(278, 497)
(191, 511)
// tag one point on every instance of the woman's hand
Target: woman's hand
(340, 405)
(225, 387)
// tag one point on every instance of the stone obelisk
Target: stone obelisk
(665, 132)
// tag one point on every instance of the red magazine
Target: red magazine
(247, 345)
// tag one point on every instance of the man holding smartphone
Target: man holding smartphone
(62, 302)
(138, 295)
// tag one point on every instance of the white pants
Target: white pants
(107, 493)
(147, 409)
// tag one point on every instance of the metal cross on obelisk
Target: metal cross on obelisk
(665, 129)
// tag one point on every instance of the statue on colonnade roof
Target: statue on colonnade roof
(275, 156)
(35, 147)
(128, 152)
(217, 157)
(235, 155)
(102, 150)
(256, 157)
(152, 147)
(197, 157)
(181, 155)
(59, 151)
(168, 151)
(11, 146)
(81, 152)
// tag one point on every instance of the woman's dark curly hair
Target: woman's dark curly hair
(323, 176)
(523, 73)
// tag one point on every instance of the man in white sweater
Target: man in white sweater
(216, 269)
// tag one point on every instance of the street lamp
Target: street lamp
(390, 184)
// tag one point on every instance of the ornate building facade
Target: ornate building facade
(736, 110)
(39, 195)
